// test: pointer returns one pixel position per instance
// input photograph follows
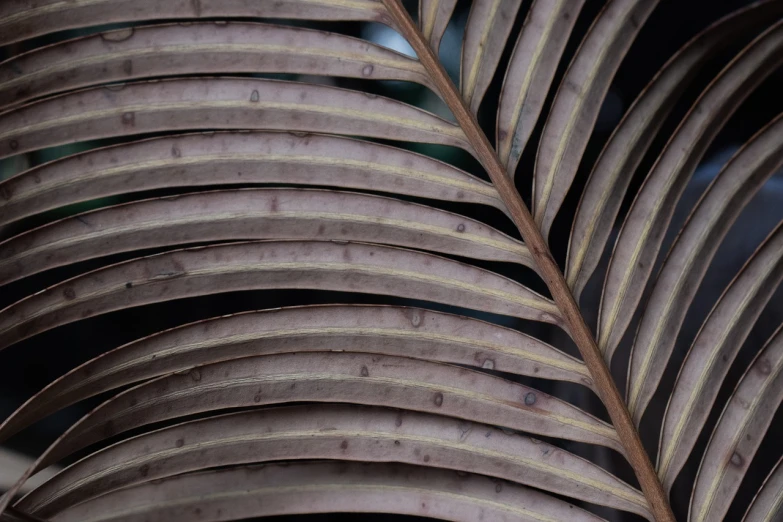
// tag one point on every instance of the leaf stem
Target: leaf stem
(547, 267)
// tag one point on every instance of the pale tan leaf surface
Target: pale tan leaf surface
(347, 267)
(714, 349)
(739, 432)
(531, 69)
(434, 16)
(611, 175)
(234, 158)
(202, 48)
(186, 104)
(325, 487)
(356, 378)
(20, 20)
(690, 257)
(767, 506)
(365, 379)
(333, 432)
(643, 231)
(253, 214)
(578, 100)
(386, 330)
(487, 30)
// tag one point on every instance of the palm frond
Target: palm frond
(263, 146)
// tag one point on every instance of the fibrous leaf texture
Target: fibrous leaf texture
(280, 264)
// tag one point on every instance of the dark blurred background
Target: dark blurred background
(28, 366)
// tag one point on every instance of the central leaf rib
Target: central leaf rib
(547, 267)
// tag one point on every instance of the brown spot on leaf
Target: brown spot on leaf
(254, 97)
(438, 399)
(764, 367)
(498, 487)
(127, 67)
(398, 420)
(461, 228)
(13, 144)
(69, 293)
(175, 152)
(144, 470)
(344, 445)
(426, 458)
(108, 429)
(128, 119)
(367, 70)
(530, 398)
(365, 372)
(180, 443)
(195, 374)
(736, 459)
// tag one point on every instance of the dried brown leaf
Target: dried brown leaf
(348, 267)
(234, 158)
(326, 487)
(386, 330)
(578, 100)
(767, 505)
(738, 434)
(201, 48)
(606, 188)
(253, 214)
(354, 378)
(332, 432)
(20, 19)
(643, 231)
(530, 72)
(434, 16)
(713, 351)
(690, 257)
(487, 30)
(187, 104)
